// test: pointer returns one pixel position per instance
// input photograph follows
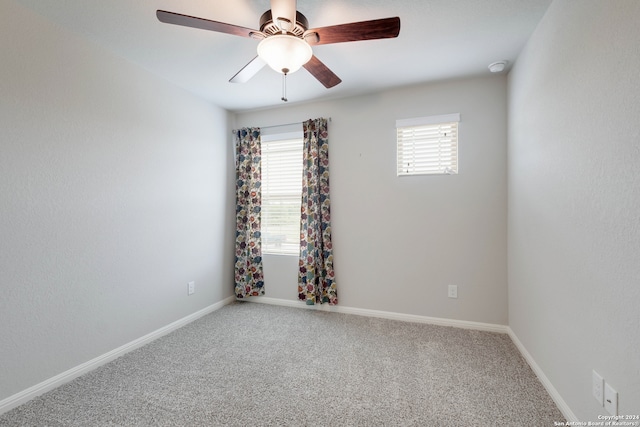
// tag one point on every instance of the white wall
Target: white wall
(399, 242)
(574, 201)
(115, 191)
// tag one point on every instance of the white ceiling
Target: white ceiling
(439, 39)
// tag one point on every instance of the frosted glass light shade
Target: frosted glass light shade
(284, 52)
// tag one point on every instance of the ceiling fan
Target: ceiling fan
(286, 40)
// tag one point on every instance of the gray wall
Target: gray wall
(114, 193)
(574, 200)
(399, 242)
(116, 190)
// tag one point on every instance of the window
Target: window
(428, 145)
(281, 192)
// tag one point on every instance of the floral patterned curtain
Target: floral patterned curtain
(248, 269)
(315, 274)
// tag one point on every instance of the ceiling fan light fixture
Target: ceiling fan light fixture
(284, 52)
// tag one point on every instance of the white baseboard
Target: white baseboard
(38, 389)
(489, 327)
(562, 405)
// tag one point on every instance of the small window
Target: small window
(281, 193)
(428, 145)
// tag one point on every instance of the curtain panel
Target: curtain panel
(249, 277)
(316, 282)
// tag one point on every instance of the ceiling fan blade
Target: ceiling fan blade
(322, 72)
(385, 28)
(248, 71)
(203, 24)
(284, 9)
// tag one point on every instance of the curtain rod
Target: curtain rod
(285, 124)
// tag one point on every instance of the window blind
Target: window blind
(427, 145)
(281, 195)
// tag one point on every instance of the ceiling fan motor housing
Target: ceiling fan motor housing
(271, 28)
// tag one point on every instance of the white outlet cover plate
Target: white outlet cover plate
(453, 291)
(191, 287)
(597, 388)
(610, 400)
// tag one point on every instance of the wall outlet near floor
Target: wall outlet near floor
(453, 291)
(610, 400)
(597, 387)
(191, 288)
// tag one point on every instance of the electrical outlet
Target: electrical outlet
(610, 400)
(453, 291)
(597, 387)
(191, 288)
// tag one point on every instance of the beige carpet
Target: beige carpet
(260, 365)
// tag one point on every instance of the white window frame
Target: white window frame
(281, 238)
(427, 145)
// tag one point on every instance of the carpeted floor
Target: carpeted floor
(260, 365)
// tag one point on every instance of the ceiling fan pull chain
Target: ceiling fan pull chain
(284, 84)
